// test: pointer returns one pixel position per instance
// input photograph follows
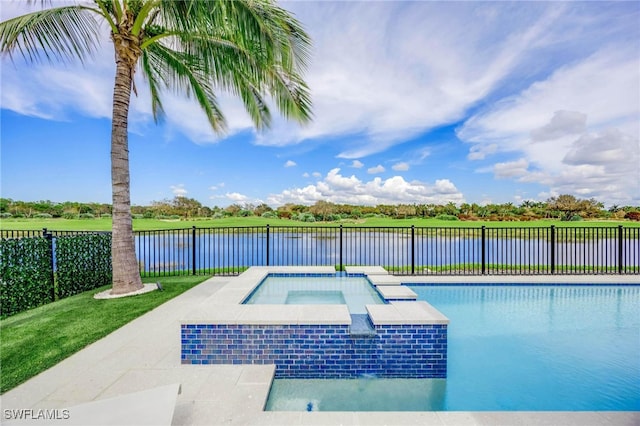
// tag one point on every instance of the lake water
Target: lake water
(171, 251)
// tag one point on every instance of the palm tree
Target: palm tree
(250, 48)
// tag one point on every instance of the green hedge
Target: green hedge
(26, 276)
(83, 262)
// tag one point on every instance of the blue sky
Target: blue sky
(414, 102)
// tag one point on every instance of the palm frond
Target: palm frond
(184, 73)
(152, 71)
(252, 49)
(62, 33)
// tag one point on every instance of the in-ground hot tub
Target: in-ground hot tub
(353, 290)
(405, 338)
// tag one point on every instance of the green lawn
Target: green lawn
(35, 340)
(155, 224)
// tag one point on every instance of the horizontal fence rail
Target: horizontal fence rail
(401, 250)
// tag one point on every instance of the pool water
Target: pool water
(355, 291)
(529, 348)
(350, 394)
(541, 347)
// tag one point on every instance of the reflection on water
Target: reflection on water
(210, 250)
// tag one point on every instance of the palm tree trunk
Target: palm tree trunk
(126, 273)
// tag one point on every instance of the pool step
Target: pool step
(378, 280)
(367, 270)
(396, 292)
(361, 327)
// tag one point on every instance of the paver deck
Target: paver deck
(145, 354)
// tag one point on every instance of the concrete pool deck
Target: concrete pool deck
(145, 354)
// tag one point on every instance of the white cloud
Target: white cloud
(236, 197)
(511, 169)
(578, 129)
(356, 164)
(375, 170)
(178, 190)
(427, 68)
(290, 163)
(562, 123)
(400, 167)
(480, 152)
(351, 190)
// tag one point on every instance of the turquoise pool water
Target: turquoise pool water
(533, 348)
(541, 347)
(355, 291)
(366, 394)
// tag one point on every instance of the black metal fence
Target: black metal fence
(401, 250)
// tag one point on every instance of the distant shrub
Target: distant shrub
(218, 215)
(43, 216)
(5, 215)
(69, 215)
(137, 216)
(269, 215)
(447, 217)
(245, 213)
(305, 217)
(86, 216)
(334, 217)
(148, 214)
(575, 218)
(463, 216)
(632, 216)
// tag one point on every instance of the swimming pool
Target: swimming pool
(355, 291)
(541, 347)
(518, 347)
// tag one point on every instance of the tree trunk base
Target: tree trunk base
(126, 289)
(108, 294)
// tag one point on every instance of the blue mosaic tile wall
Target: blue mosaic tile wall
(321, 351)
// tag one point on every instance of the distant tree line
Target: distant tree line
(562, 207)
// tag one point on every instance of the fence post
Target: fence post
(267, 250)
(49, 236)
(340, 247)
(193, 250)
(620, 247)
(553, 249)
(483, 251)
(413, 249)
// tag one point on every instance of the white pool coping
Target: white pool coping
(145, 354)
(226, 307)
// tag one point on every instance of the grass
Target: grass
(35, 340)
(155, 224)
